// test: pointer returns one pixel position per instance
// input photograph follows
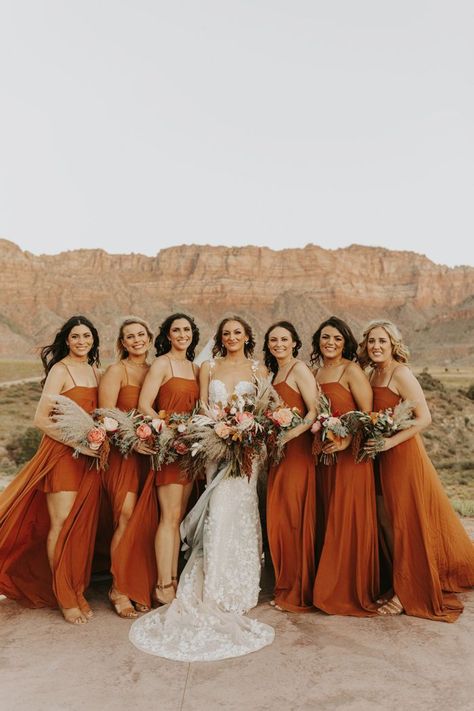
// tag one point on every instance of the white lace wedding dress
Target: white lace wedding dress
(221, 580)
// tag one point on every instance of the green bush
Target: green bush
(24, 445)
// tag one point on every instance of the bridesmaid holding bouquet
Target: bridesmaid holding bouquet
(171, 385)
(291, 492)
(120, 387)
(48, 514)
(347, 578)
(433, 557)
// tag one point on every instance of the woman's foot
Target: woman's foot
(121, 604)
(391, 607)
(84, 606)
(277, 607)
(164, 594)
(73, 615)
(142, 608)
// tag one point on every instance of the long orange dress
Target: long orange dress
(134, 566)
(433, 556)
(347, 578)
(25, 573)
(123, 475)
(291, 516)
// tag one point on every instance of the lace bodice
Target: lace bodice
(218, 390)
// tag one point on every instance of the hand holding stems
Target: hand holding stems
(337, 445)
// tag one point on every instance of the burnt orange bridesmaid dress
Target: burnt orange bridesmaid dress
(25, 573)
(131, 563)
(433, 557)
(347, 578)
(176, 395)
(134, 568)
(291, 516)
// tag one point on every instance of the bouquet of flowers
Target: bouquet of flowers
(377, 426)
(79, 429)
(232, 432)
(163, 433)
(330, 426)
(279, 421)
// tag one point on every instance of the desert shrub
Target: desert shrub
(470, 392)
(428, 383)
(24, 445)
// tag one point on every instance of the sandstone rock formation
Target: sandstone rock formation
(433, 304)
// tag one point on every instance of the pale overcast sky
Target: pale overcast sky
(138, 125)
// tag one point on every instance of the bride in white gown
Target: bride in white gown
(221, 580)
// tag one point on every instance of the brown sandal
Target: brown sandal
(121, 604)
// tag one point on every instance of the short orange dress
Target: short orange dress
(291, 516)
(25, 573)
(433, 557)
(176, 395)
(347, 578)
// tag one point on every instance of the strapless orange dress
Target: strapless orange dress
(433, 557)
(176, 395)
(291, 517)
(25, 574)
(347, 578)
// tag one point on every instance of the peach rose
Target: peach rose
(96, 437)
(283, 416)
(244, 418)
(316, 426)
(143, 431)
(222, 430)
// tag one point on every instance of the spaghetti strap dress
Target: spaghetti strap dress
(347, 578)
(291, 515)
(176, 395)
(433, 557)
(25, 573)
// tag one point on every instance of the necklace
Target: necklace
(383, 368)
(137, 365)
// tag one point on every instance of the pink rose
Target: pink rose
(143, 431)
(316, 427)
(283, 416)
(333, 422)
(244, 418)
(110, 424)
(181, 447)
(96, 437)
(222, 430)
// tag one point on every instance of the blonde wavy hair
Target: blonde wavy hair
(400, 352)
(120, 349)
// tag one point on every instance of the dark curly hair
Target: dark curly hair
(270, 360)
(350, 344)
(249, 347)
(58, 349)
(163, 343)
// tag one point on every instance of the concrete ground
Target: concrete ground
(316, 662)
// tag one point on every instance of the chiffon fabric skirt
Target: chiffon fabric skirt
(25, 573)
(433, 557)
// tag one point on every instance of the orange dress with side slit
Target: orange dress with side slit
(433, 557)
(25, 573)
(176, 395)
(347, 578)
(291, 516)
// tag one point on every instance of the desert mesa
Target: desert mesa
(432, 304)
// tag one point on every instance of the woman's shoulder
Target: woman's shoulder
(301, 368)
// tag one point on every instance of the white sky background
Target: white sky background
(138, 125)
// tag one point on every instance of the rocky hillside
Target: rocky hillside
(433, 304)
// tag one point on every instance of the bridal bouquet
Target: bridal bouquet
(79, 429)
(330, 426)
(377, 426)
(232, 432)
(279, 421)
